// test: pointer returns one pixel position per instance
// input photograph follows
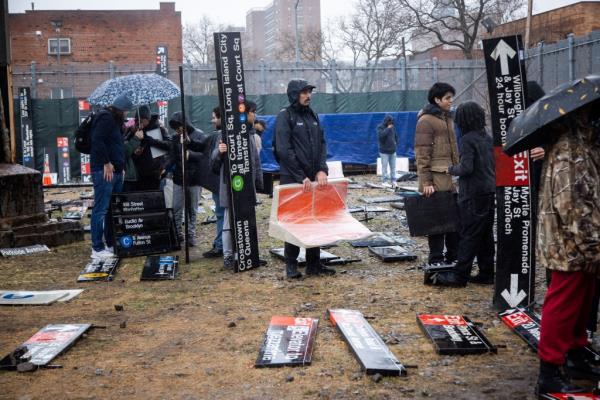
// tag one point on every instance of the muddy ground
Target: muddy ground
(197, 337)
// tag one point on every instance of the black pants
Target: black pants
(476, 235)
(313, 255)
(436, 247)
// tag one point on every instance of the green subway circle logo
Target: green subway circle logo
(237, 183)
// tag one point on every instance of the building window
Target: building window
(65, 45)
(61, 93)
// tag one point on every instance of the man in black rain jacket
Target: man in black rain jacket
(302, 154)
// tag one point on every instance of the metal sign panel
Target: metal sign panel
(24, 251)
(515, 270)
(85, 166)
(99, 270)
(569, 396)
(143, 222)
(325, 256)
(160, 268)
(162, 60)
(137, 202)
(28, 159)
(392, 253)
(454, 334)
(141, 244)
(45, 345)
(288, 341)
(19, 297)
(526, 324)
(371, 352)
(431, 215)
(64, 165)
(232, 98)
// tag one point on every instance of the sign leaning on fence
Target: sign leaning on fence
(26, 127)
(232, 98)
(515, 260)
(86, 172)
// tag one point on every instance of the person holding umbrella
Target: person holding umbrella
(107, 160)
(567, 121)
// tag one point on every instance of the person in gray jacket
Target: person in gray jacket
(387, 140)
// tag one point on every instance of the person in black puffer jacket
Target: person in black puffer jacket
(302, 154)
(476, 195)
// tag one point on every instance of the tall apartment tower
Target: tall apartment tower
(270, 31)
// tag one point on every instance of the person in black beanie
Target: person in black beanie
(476, 195)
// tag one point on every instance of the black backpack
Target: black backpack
(83, 135)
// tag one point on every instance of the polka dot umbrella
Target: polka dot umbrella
(140, 88)
(525, 131)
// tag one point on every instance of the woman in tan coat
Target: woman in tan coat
(435, 151)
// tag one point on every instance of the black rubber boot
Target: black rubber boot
(313, 269)
(291, 270)
(552, 379)
(449, 279)
(323, 270)
(582, 365)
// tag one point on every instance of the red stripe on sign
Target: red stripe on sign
(517, 319)
(432, 319)
(511, 171)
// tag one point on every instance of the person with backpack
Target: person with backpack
(302, 155)
(107, 160)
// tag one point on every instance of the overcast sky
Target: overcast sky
(228, 12)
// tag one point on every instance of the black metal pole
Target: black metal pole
(182, 138)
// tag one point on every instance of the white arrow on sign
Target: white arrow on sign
(504, 52)
(514, 297)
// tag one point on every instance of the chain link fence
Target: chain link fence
(550, 65)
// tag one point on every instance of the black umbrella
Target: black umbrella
(525, 131)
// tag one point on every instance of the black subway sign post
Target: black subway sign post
(515, 261)
(235, 131)
(26, 127)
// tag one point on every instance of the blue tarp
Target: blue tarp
(351, 138)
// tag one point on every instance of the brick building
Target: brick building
(67, 53)
(270, 31)
(549, 27)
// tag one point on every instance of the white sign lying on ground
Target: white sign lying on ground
(19, 297)
(23, 251)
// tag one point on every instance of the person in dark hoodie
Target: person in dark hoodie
(149, 169)
(195, 173)
(107, 160)
(387, 140)
(476, 196)
(435, 151)
(218, 166)
(302, 154)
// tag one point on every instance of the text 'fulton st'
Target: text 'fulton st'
(510, 101)
(516, 207)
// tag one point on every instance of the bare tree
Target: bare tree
(372, 33)
(456, 23)
(198, 44)
(310, 45)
